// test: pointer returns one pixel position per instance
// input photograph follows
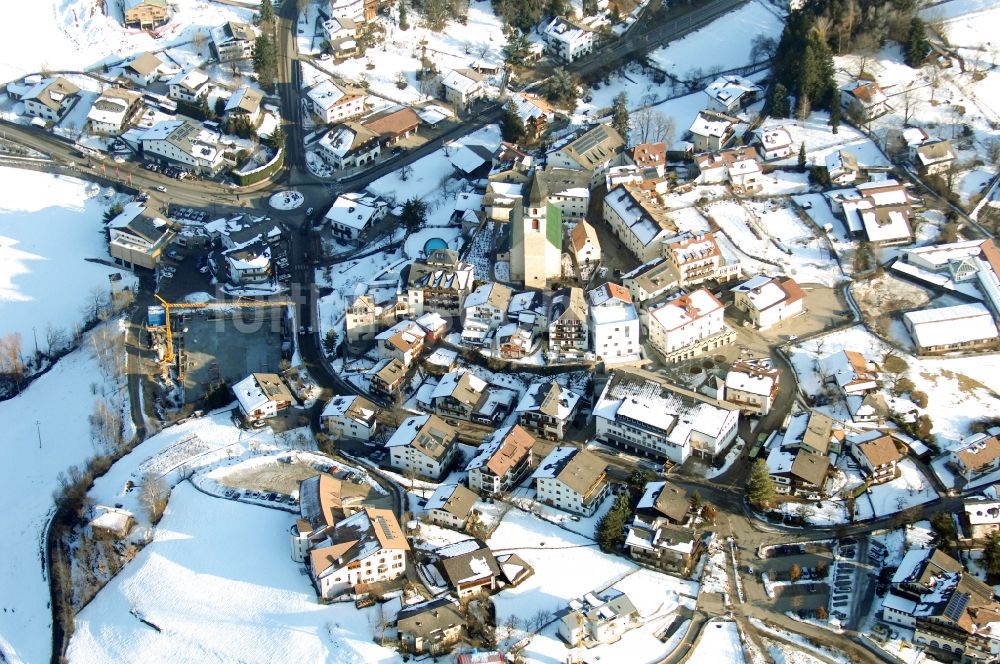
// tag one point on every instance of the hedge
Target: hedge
(262, 173)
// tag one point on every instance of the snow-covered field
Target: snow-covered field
(54, 408)
(725, 43)
(49, 225)
(218, 582)
(719, 642)
(75, 34)
(909, 489)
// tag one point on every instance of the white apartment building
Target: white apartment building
(335, 103)
(685, 321)
(567, 40)
(769, 300)
(571, 479)
(425, 445)
(350, 417)
(613, 324)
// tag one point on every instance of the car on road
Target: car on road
(397, 150)
(258, 424)
(160, 187)
(310, 211)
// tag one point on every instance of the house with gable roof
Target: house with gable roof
(876, 454)
(688, 325)
(350, 416)
(461, 395)
(594, 152)
(638, 218)
(569, 331)
(768, 301)
(450, 506)
(502, 461)
(425, 445)
(484, 310)
(404, 341)
(571, 479)
(585, 244)
(731, 94)
(546, 409)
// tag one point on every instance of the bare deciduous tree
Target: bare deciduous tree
(153, 497)
(106, 427)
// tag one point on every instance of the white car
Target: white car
(160, 187)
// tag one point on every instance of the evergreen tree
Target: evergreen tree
(403, 24)
(803, 108)
(835, 114)
(277, 138)
(916, 47)
(824, 94)
(556, 7)
(266, 14)
(779, 103)
(991, 554)
(511, 127)
(760, 486)
(802, 157)
(414, 214)
(515, 53)
(610, 531)
(265, 61)
(619, 115)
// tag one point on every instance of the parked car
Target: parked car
(160, 187)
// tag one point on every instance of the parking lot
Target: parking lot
(808, 594)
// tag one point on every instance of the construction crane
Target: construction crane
(168, 356)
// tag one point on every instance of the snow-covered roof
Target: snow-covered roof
(191, 79)
(881, 226)
(552, 464)
(352, 407)
(250, 394)
(958, 324)
(326, 94)
(711, 124)
(685, 309)
(779, 461)
(354, 210)
(560, 29)
(636, 217)
(461, 80)
(751, 382)
(549, 398)
(406, 431)
(726, 89)
(980, 512)
(774, 138)
(763, 292)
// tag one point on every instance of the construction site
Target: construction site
(203, 346)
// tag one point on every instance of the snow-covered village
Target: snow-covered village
(495, 332)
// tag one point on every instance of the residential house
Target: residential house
(659, 534)
(869, 408)
(431, 627)
(244, 104)
(594, 152)
(569, 332)
(514, 341)
(571, 479)
(977, 455)
(341, 33)
(917, 574)
(143, 69)
(688, 325)
(768, 301)
(462, 87)
(696, 258)
(137, 239)
(528, 307)
(752, 385)
(450, 506)
(851, 371)
(435, 327)
(352, 417)
(112, 523)
(536, 237)
(743, 169)
(638, 218)
(403, 341)
(651, 279)
(249, 263)
(935, 157)
(145, 14)
(774, 143)
(949, 329)
(393, 124)
(261, 395)
(460, 395)
(349, 145)
(842, 167)
(876, 454)
(233, 41)
(325, 501)
(387, 377)
(883, 213)
(650, 159)
(468, 566)
(585, 244)
(438, 283)
(353, 213)
(546, 409)
(502, 461)
(370, 313)
(731, 94)
(711, 131)
(568, 190)
(365, 548)
(813, 432)
(189, 86)
(613, 324)
(566, 40)
(594, 620)
(183, 142)
(981, 516)
(642, 413)
(50, 99)
(425, 445)
(866, 101)
(797, 473)
(535, 112)
(484, 310)
(334, 102)
(359, 11)
(113, 112)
